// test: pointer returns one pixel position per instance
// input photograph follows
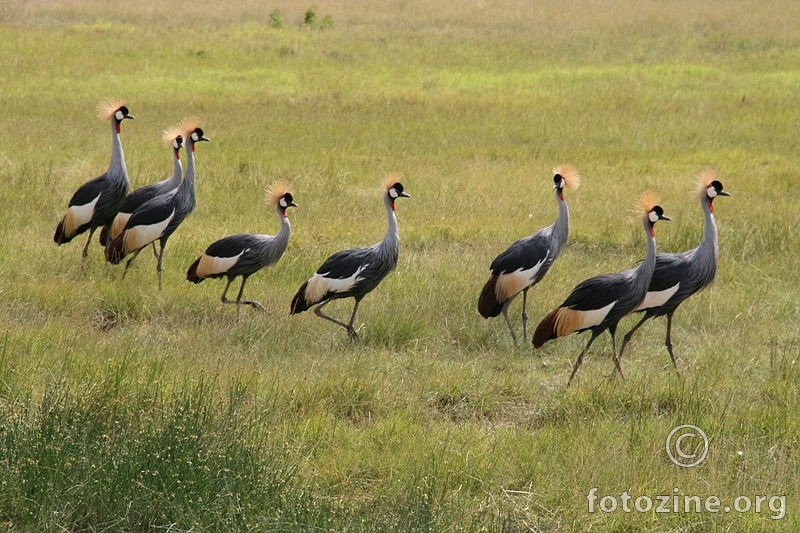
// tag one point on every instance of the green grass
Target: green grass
(122, 408)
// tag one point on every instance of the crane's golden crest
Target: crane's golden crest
(170, 134)
(107, 108)
(570, 175)
(277, 190)
(703, 183)
(188, 125)
(391, 179)
(647, 201)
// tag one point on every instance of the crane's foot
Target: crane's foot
(255, 305)
(352, 333)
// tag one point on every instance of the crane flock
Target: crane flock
(131, 221)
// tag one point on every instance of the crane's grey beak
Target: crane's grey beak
(292, 204)
(405, 195)
(664, 217)
(723, 193)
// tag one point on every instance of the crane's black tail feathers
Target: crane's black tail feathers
(191, 274)
(488, 306)
(299, 303)
(115, 250)
(104, 233)
(546, 329)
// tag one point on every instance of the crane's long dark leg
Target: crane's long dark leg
(508, 321)
(86, 248)
(252, 303)
(580, 358)
(668, 342)
(158, 266)
(224, 298)
(628, 335)
(612, 331)
(525, 314)
(155, 252)
(128, 264)
(349, 327)
(319, 313)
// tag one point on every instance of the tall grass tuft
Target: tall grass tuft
(115, 454)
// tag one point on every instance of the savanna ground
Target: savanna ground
(122, 408)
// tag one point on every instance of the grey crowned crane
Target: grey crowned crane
(354, 273)
(174, 138)
(96, 202)
(524, 263)
(678, 276)
(245, 254)
(158, 218)
(599, 303)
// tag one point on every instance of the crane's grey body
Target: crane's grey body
(522, 265)
(353, 273)
(677, 276)
(600, 302)
(96, 202)
(243, 255)
(158, 218)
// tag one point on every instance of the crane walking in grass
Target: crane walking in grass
(354, 273)
(599, 303)
(158, 218)
(678, 276)
(96, 202)
(174, 138)
(245, 254)
(524, 263)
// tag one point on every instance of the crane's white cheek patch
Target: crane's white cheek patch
(78, 215)
(657, 298)
(143, 235)
(571, 320)
(510, 284)
(119, 224)
(210, 265)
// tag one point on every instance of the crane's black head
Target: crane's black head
(559, 182)
(395, 191)
(197, 135)
(655, 214)
(286, 201)
(714, 189)
(122, 113)
(116, 114)
(177, 142)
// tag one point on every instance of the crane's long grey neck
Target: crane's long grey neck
(709, 245)
(282, 238)
(177, 171)
(186, 192)
(117, 166)
(644, 272)
(390, 246)
(560, 232)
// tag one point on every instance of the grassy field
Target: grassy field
(122, 408)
